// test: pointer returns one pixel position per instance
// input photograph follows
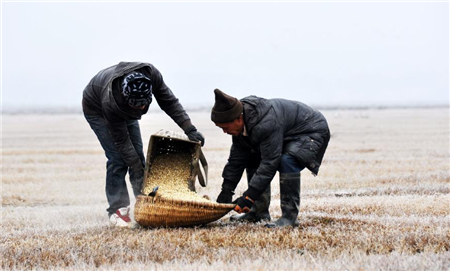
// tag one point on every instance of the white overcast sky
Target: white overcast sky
(339, 53)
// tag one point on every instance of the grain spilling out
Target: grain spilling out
(171, 173)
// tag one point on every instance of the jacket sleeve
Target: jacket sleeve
(169, 102)
(119, 135)
(271, 146)
(237, 161)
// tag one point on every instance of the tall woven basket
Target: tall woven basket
(158, 211)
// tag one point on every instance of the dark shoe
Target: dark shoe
(290, 200)
(251, 217)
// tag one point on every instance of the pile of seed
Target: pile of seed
(171, 173)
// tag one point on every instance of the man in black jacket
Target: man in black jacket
(269, 135)
(113, 102)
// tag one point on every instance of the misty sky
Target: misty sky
(318, 53)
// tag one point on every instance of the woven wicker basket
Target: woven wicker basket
(161, 212)
(157, 211)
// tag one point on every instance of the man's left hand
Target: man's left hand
(243, 204)
(195, 135)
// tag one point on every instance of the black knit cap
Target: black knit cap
(226, 108)
(137, 89)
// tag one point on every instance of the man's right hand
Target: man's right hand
(243, 204)
(138, 169)
(137, 178)
(225, 196)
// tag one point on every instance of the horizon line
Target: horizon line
(78, 110)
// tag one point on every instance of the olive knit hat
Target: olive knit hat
(226, 108)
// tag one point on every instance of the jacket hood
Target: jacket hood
(125, 67)
(115, 98)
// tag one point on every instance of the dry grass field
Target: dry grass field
(380, 202)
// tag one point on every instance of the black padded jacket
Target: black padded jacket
(102, 96)
(274, 127)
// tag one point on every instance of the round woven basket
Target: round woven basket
(162, 212)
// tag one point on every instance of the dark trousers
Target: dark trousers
(116, 169)
(289, 164)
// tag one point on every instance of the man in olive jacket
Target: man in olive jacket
(269, 135)
(113, 102)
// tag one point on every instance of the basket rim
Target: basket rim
(215, 205)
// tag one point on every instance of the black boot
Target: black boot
(290, 200)
(259, 210)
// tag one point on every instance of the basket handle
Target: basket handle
(202, 179)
